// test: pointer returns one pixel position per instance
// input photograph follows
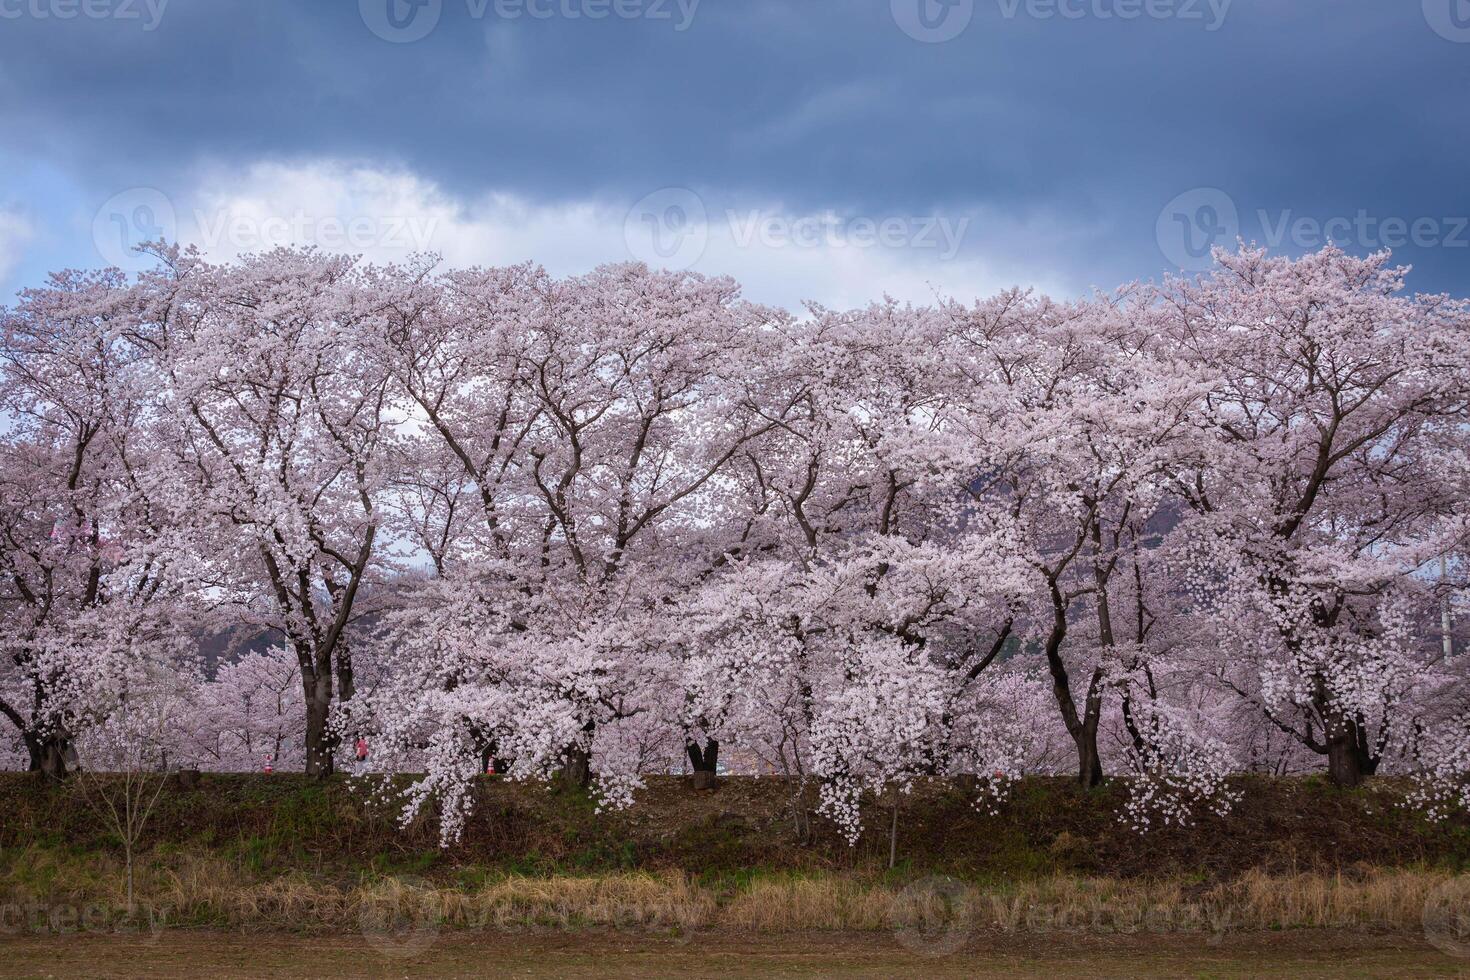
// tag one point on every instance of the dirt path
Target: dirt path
(232, 955)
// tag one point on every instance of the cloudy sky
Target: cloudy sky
(830, 150)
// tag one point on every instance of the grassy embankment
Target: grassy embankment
(283, 852)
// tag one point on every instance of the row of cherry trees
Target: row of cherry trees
(629, 523)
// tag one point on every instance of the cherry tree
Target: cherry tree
(815, 671)
(624, 523)
(1335, 418)
(588, 443)
(249, 714)
(93, 575)
(1071, 425)
(281, 427)
(873, 576)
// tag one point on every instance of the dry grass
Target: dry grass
(1392, 900)
(200, 889)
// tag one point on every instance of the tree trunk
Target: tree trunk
(1350, 757)
(1343, 765)
(48, 755)
(577, 773)
(1369, 755)
(1083, 729)
(33, 750)
(1135, 734)
(1089, 762)
(893, 834)
(319, 744)
(704, 762)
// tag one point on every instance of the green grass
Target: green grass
(273, 825)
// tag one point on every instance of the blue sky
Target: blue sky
(829, 150)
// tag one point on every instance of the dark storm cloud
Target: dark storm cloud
(1311, 109)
